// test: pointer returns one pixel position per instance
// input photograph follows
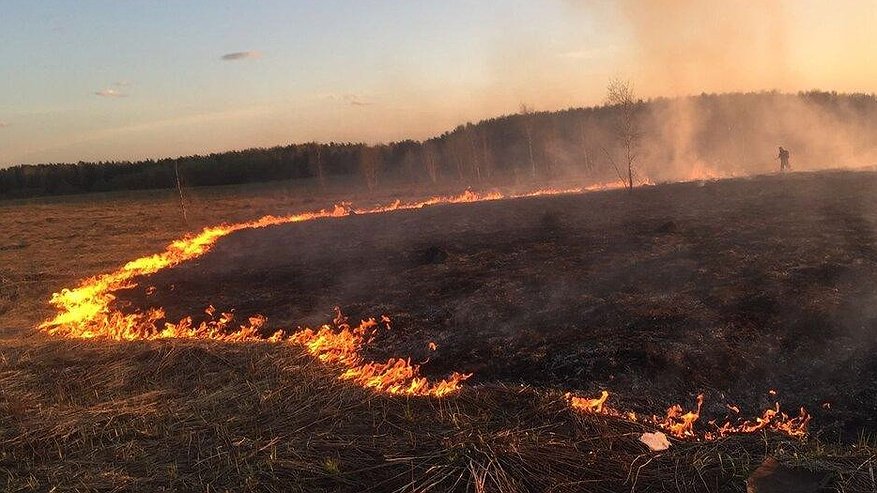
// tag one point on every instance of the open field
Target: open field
(730, 288)
(55, 242)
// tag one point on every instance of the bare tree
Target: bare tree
(620, 95)
(527, 115)
(460, 149)
(475, 163)
(408, 161)
(585, 145)
(315, 161)
(486, 154)
(180, 192)
(370, 162)
(430, 160)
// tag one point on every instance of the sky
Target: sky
(124, 80)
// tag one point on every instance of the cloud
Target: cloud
(348, 98)
(3, 124)
(353, 100)
(581, 54)
(122, 83)
(241, 55)
(110, 93)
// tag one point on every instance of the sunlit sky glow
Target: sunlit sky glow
(97, 80)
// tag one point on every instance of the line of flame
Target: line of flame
(85, 312)
(680, 424)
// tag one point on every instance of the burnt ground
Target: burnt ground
(730, 288)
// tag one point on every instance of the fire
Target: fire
(681, 424)
(589, 405)
(341, 345)
(771, 419)
(86, 312)
(700, 170)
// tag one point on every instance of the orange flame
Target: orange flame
(771, 419)
(584, 404)
(86, 312)
(396, 376)
(680, 424)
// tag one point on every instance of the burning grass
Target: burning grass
(201, 405)
(85, 312)
(680, 423)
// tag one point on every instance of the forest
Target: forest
(703, 136)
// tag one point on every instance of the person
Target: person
(784, 159)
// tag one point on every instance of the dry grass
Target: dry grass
(51, 243)
(183, 416)
(200, 416)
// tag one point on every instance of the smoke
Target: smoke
(691, 46)
(347, 98)
(684, 138)
(737, 134)
(674, 49)
(685, 47)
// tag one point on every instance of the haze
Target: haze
(98, 80)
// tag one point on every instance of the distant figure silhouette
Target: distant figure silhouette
(784, 159)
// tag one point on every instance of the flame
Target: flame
(701, 171)
(681, 424)
(341, 344)
(771, 419)
(86, 312)
(594, 406)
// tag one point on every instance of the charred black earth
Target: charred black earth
(731, 288)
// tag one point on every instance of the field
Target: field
(750, 291)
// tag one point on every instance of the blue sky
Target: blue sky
(117, 79)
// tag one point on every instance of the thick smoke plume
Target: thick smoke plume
(687, 46)
(738, 134)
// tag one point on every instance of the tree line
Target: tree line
(737, 131)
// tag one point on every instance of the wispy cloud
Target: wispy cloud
(348, 98)
(241, 55)
(579, 54)
(185, 122)
(110, 93)
(3, 124)
(122, 83)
